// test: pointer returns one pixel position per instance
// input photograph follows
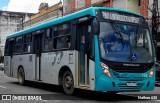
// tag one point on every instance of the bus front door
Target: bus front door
(37, 48)
(83, 61)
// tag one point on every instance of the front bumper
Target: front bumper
(104, 83)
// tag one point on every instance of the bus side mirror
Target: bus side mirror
(95, 26)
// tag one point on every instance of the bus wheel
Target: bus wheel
(21, 76)
(68, 82)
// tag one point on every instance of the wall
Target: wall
(66, 6)
(70, 6)
(10, 22)
(133, 5)
(122, 4)
(144, 8)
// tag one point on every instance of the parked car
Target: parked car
(157, 72)
(2, 66)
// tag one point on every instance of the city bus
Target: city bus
(98, 49)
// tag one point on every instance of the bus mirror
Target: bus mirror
(95, 26)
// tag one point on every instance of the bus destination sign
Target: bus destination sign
(120, 17)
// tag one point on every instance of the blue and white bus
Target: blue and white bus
(98, 49)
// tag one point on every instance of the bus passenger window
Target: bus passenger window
(54, 43)
(55, 31)
(6, 51)
(18, 45)
(48, 40)
(62, 37)
(61, 42)
(68, 41)
(27, 43)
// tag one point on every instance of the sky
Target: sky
(30, 6)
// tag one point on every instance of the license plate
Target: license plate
(131, 84)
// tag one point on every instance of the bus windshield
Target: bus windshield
(125, 43)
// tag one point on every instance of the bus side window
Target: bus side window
(6, 51)
(54, 40)
(47, 40)
(69, 41)
(27, 43)
(18, 45)
(62, 37)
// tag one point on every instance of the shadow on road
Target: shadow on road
(47, 87)
(78, 94)
(103, 96)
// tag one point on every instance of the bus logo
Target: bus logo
(134, 56)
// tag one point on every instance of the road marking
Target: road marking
(157, 100)
(2, 87)
(45, 100)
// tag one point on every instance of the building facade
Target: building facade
(45, 14)
(70, 6)
(138, 6)
(10, 22)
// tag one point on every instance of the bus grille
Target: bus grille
(127, 78)
(123, 86)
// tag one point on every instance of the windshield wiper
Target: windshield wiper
(117, 32)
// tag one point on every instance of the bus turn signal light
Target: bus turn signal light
(106, 69)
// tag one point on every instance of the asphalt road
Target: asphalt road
(54, 94)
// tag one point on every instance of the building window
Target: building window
(95, 1)
(139, 2)
(66, 4)
(80, 3)
(62, 37)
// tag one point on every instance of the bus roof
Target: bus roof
(88, 11)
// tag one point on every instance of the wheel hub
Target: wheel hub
(68, 81)
(20, 77)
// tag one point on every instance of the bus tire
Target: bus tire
(68, 82)
(21, 76)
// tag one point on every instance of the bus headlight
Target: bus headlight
(106, 70)
(151, 73)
